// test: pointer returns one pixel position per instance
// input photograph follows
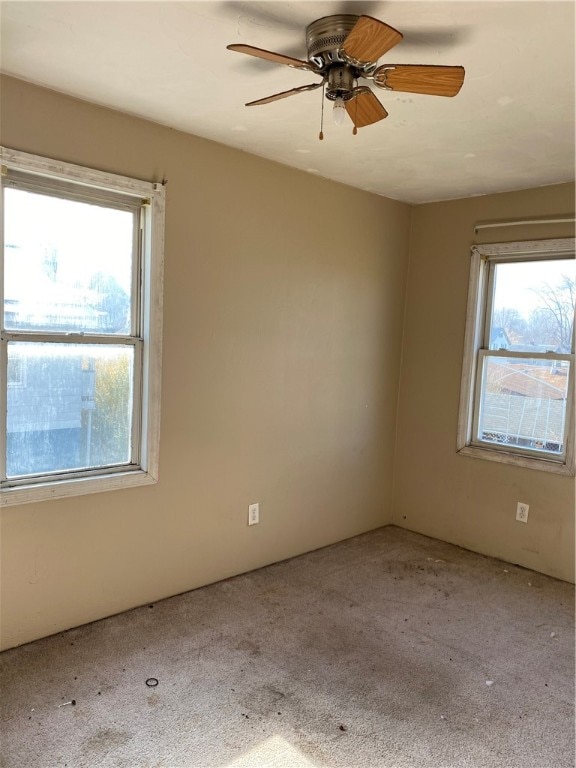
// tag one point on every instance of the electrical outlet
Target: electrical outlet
(522, 512)
(253, 514)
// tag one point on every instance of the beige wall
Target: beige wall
(282, 336)
(469, 501)
(282, 344)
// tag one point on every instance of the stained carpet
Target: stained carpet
(389, 650)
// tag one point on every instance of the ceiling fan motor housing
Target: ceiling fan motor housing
(324, 40)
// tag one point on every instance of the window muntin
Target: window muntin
(81, 330)
(518, 376)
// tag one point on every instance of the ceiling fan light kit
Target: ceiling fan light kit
(345, 48)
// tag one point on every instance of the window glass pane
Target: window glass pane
(69, 406)
(533, 307)
(523, 403)
(67, 266)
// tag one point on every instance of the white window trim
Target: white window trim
(151, 297)
(475, 318)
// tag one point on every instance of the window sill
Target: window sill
(27, 494)
(519, 461)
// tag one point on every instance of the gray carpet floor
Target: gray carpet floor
(390, 649)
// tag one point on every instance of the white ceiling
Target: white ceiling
(511, 126)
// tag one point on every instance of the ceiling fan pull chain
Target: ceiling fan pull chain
(321, 134)
(355, 129)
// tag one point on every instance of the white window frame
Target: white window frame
(479, 304)
(150, 197)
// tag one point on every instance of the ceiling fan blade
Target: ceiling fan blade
(277, 58)
(365, 109)
(420, 78)
(284, 94)
(369, 39)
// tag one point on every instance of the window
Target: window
(81, 329)
(517, 392)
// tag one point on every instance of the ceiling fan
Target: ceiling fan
(344, 48)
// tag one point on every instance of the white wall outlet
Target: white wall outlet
(253, 513)
(522, 512)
